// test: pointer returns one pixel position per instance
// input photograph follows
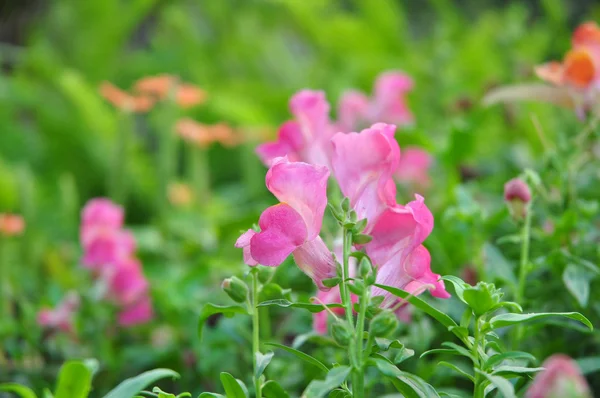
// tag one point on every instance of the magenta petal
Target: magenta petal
(282, 231)
(102, 212)
(244, 243)
(303, 187)
(289, 143)
(104, 247)
(353, 109)
(138, 313)
(311, 110)
(316, 261)
(363, 165)
(127, 282)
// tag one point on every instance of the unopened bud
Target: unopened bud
(341, 333)
(383, 323)
(235, 288)
(560, 378)
(517, 195)
(265, 274)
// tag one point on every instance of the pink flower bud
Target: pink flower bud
(517, 189)
(560, 378)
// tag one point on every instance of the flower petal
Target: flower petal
(282, 231)
(244, 243)
(363, 164)
(316, 261)
(138, 313)
(353, 108)
(289, 143)
(303, 187)
(414, 166)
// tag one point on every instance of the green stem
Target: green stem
(478, 385)
(255, 333)
(359, 383)
(523, 270)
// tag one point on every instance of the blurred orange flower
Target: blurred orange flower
(186, 95)
(180, 194)
(580, 68)
(11, 224)
(203, 135)
(123, 100)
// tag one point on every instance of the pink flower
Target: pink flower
(320, 319)
(106, 246)
(101, 212)
(293, 225)
(517, 189)
(414, 167)
(126, 282)
(306, 138)
(355, 109)
(137, 313)
(560, 378)
(363, 164)
(11, 224)
(61, 317)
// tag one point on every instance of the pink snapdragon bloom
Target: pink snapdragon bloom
(292, 226)
(126, 282)
(414, 167)
(388, 105)
(61, 317)
(560, 378)
(306, 138)
(363, 165)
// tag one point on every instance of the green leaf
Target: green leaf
(301, 355)
(272, 389)
(211, 309)
(233, 389)
(339, 393)
(499, 358)
(314, 308)
(505, 387)
(461, 350)
(577, 280)
(409, 385)
(457, 370)
(503, 320)
(459, 285)
(507, 370)
(22, 391)
(162, 394)
(47, 393)
(446, 351)
(134, 385)
(261, 362)
(420, 304)
(403, 355)
(335, 377)
(74, 380)
(211, 395)
(382, 344)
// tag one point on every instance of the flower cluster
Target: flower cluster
(149, 90)
(363, 165)
(579, 72)
(307, 137)
(109, 251)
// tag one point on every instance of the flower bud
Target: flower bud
(341, 333)
(383, 323)
(482, 297)
(265, 274)
(235, 288)
(517, 195)
(560, 378)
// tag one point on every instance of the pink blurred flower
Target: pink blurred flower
(126, 282)
(517, 189)
(102, 212)
(388, 105)
(11, 224)
(306, 138)
(106, 246)
(414, 167)
(560, 378)
(292, 226)
(61, 317)
(137, 313)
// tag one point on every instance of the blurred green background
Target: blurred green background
(250, 56)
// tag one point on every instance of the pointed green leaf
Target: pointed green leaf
(74, 380)
(505, 387)
(232, 387)
(411, 386)
(507, 370)
(457, 370)
(420, 304)
(314, 308)
(577, 280)
(211, 395)
(499, 358)
(134, 385)
(301, 355)
(272, 389)
(503, 320)
(22, 391)
(459, 285)
(211, 309)
(319, 388)
(262, 361)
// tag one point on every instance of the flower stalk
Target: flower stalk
(255, 332)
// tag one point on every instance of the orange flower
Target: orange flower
(204, 135)
(180, 194)
(160, 86)
(11, 224)
(579, 68)
(123, 100)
